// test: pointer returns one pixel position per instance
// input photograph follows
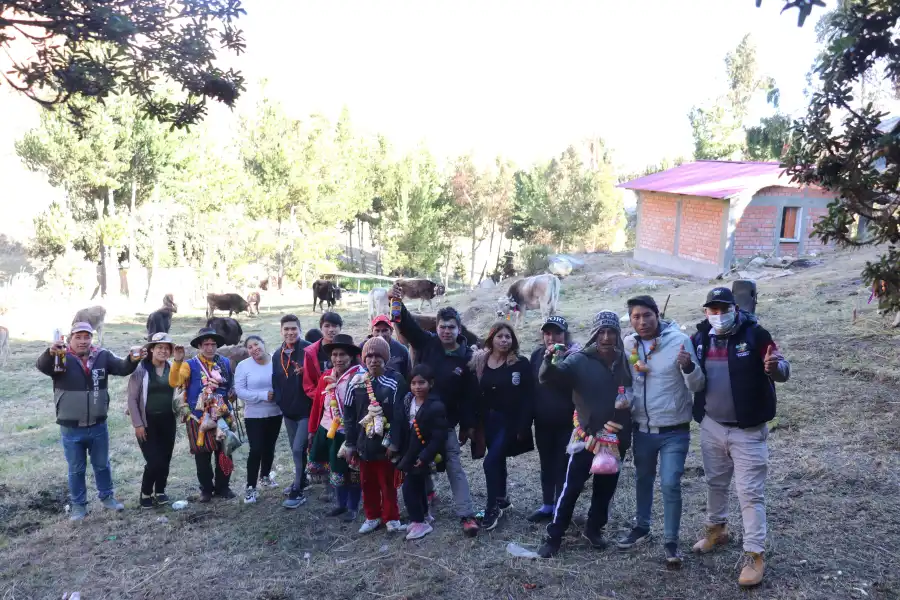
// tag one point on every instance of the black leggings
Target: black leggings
(415, 496)
(262, 435)
(551, 440)
(157, 450)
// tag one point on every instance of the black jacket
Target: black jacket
(552, 402)
(595, 386)
(288, 389)
(399, 357)
(80, 395)
(752, 389)
(432, 421)
(508, 390)
(389, 389)
(454, 381)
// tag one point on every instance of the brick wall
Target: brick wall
(814, 244)
(804, 192)
(788, 248)
(755, 231)
(700, 232)
(657, 222)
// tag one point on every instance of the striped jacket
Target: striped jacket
(389, 389)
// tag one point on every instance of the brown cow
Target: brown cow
(234, 353)
(233, 303)
(96, 316)
(537, 292)
(253, 302)
(421, 290)
(429, 323)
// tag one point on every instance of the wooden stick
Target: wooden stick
(665, 306)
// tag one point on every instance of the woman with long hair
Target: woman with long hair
(262, 417)
(505, 405)
(152, 414)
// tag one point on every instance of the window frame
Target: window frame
(797, 224)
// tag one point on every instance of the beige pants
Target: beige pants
(743, 453)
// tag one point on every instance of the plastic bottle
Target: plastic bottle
(622, 400)
(396, 308)
(180, 505)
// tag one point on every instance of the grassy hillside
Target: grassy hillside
(834, 510)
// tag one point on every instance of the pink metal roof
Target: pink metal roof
(713, 179)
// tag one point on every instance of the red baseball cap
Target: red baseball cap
(382, 319)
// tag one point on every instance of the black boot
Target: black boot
(595, 538)
(549, 548)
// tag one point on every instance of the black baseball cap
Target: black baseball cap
(556, 321)
(719, 295)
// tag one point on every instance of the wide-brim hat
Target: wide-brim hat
(344, 342)
(208, 333)
(159, 338)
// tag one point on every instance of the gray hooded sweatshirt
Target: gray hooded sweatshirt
(664, 396)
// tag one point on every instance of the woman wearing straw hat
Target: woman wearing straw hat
(153, 416)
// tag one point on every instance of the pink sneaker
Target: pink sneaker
(417, 531)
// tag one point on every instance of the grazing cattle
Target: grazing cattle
(233, 303)
(538, 292)
(253, 303)
(379, 303)
(325, 292)
(429, 323)
(228, 328)
(96, 316)
(234, 354)
(161, 320)
(421, 290)
(264, 285)
(4, 345)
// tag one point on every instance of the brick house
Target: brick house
(702, 217)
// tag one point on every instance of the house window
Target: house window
(790, 224)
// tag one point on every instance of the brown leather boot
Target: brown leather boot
(716, 535)
(754, 569)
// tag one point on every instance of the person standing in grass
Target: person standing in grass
(399, 362)
(262, 417)
(448, 355)
(742, 364)
(506, 404)
(593, 377)
(316, 360)
(289, 397)
(421, 431)
(150, 405)
(665, 374)
(553, 410)
(82, 401)
(376, 395)
(327, 429)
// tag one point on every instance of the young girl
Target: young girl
(422, 444)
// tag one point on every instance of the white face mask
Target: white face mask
(721, 322)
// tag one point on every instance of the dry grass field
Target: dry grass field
(833, 492)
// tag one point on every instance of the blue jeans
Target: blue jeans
(670, 450)
(495, 459)
(77, 443)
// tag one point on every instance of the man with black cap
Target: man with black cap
(207, 375)
(82, 401)
(552, 418)
(664, 368)
(741, 363)
(593, 376)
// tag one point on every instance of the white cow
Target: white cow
(378, 303)
(537, 292)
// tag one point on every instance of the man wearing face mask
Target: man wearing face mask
(741, 363)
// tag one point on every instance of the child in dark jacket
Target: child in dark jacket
(421, 444)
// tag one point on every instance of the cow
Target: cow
(233, 303)
(234, 354)
(537, 292)
(4, 345)
(429, 323)
(421, 290)
(881, 292)
(161, 320)
(253, 303)
(379, 303)
(96, 316)
(228, 328)
(325, 292)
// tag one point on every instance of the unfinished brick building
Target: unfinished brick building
(701, 217)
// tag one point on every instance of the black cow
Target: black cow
(325, 291)
(228, 328)
(161, 320)
(233, 303)
(253, 302)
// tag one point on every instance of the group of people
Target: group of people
(364, 422)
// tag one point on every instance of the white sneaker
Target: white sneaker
(417, 531)
(270, 480)
(394, 526)
(370, 525)
(250, 496)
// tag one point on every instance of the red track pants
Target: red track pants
(379, 493)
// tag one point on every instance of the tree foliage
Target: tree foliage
(58, 51)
